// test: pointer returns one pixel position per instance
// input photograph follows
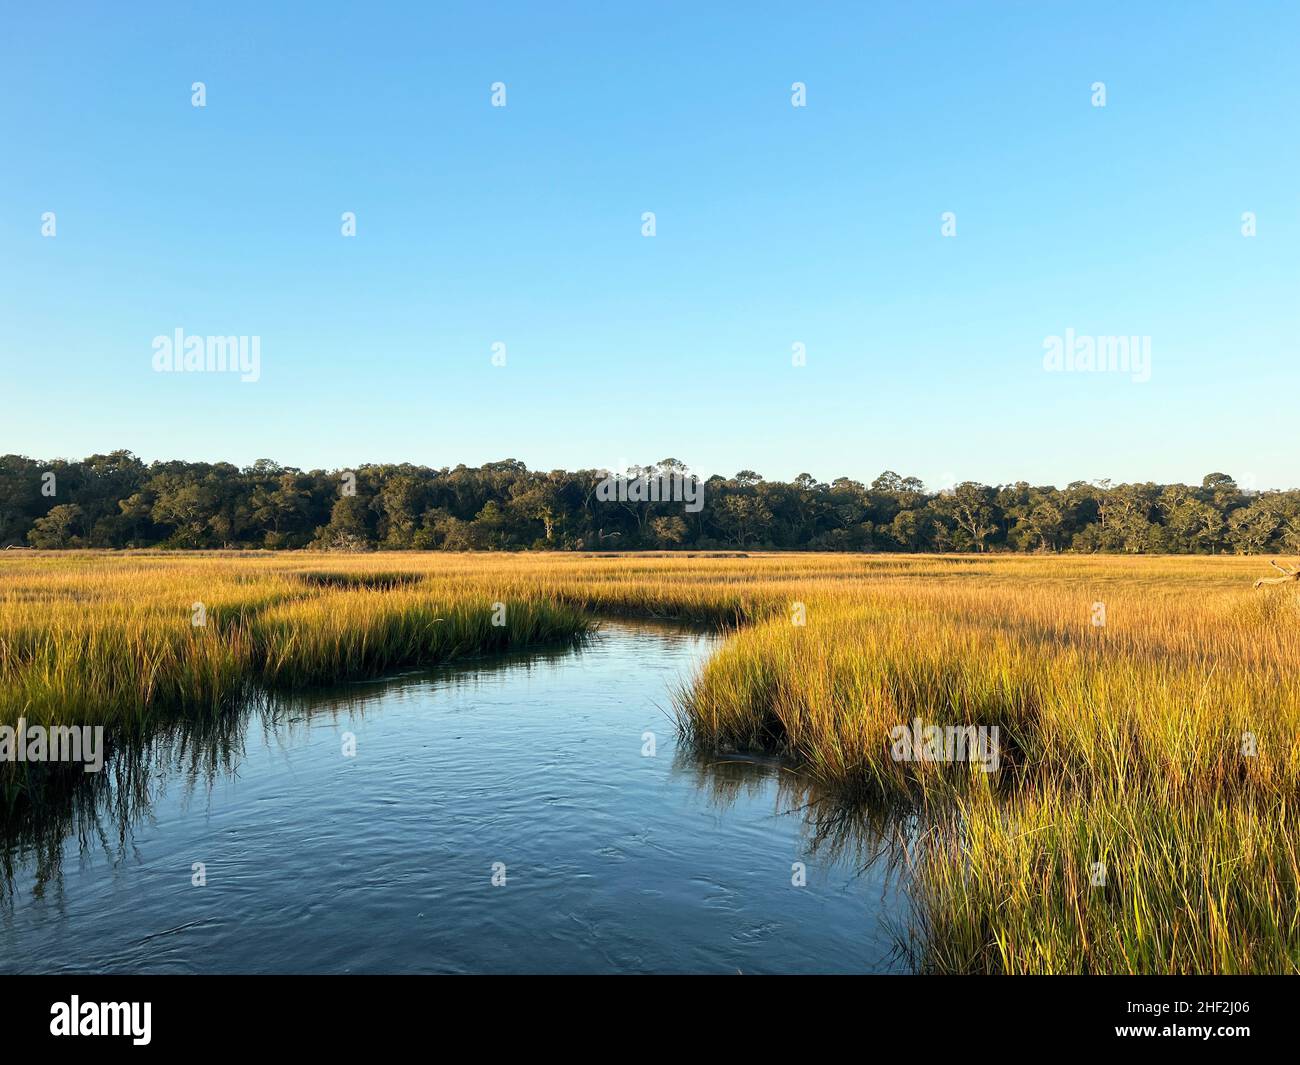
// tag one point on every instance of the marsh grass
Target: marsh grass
(1124, 749)
(1121, 744)
(114, 641)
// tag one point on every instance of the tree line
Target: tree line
(118, 501)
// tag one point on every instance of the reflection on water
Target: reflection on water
(98, 811)
(858, 836)
(531, 765)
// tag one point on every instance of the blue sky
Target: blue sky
(819, 225)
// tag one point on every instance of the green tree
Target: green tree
(61, 527)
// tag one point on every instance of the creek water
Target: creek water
(503, 815)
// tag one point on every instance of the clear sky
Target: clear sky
(775, 225)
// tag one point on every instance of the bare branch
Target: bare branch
(1288, 575)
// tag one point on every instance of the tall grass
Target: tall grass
(1124, 746)
(1144, 816)
(113, 639)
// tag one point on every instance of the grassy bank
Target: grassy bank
(1141, 818)
(116, 640)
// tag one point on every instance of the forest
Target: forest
(118, 501)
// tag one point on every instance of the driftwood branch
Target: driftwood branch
(1291, 573)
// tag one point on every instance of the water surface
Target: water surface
(614, 860)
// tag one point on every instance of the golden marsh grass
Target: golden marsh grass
(1143, 816)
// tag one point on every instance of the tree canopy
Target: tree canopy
(116, 501)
